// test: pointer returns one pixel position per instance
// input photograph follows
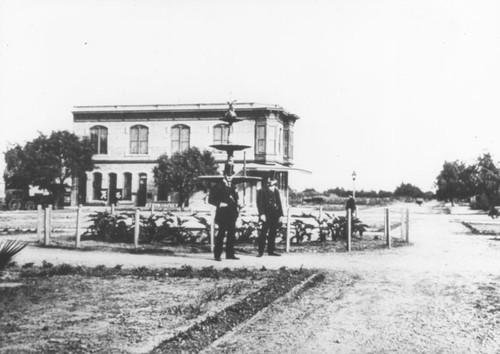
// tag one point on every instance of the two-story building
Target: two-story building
(127, 141)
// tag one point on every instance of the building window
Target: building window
(139, 139)
(127, 186)
(97, 186)
(180, 138)
(99, 139)
(271, 139)
(280, 140)
(261, 139)
(288, 143)
(221, 134)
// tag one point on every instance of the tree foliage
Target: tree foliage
(48, 162)
(487, 178)
(451, 182)
(460, 181)
(408, 190)
(179, 172)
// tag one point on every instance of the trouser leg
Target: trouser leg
(230, 240)
(262, 237)
(273, 228)
(219, 241)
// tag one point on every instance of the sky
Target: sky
(390, 89)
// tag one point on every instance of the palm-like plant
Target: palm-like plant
(8, 251)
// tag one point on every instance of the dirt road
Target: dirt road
(439, 296)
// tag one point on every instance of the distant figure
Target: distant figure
(225, 198)
(270, 212)
(350, 204)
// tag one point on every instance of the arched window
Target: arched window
(99, 139)
(221, 134)
(180, 138)
(139, 139)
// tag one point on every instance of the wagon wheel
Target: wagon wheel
(15, 204)
(30, 205)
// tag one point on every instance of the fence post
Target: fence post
(47, 225)
(407, 224)
(78, 225)
(136, 228)
(349, 229)
(212, 230)
(320, 214)
(387, 227)
(152, 208)
(112, 209)
(403, 221)
(288, 214)
(39, 222)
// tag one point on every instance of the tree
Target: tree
(340, 192)
(384, 194)
(179, 173)
(487, 179)
(452, 181)
(310, 192)
(49, 162)
(408, 190)
(13, 174)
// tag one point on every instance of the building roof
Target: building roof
(176, 110)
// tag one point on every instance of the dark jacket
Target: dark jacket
(269, 202)
(224, 194)
(350, 204)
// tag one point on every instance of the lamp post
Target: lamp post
(354, 192)
(353, 184)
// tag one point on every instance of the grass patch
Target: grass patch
(213, 327)
(483, 229)
(68, 308)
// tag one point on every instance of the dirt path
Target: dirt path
(440, 296)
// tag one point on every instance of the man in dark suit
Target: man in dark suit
(350, 204)
(270, 212)
(225, 198)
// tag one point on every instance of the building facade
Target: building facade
(127, 141)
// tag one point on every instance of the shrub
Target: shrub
(112, 227)
(8, 250)
(203, 235)
(338, 228)
(302, 230)
(248, 231)
(173, 230)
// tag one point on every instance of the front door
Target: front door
(142, 192)
(112, 189)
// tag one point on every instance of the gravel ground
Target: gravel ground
(439, 296)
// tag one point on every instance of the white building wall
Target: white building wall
(160, 138)
(119, 159)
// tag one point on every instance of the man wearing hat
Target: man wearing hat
(270, 212)
(225, 198)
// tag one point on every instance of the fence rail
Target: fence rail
(47, 221)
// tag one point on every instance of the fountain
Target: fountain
(230, 118)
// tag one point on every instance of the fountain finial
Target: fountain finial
(230, 117)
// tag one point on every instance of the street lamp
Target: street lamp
(353, 185)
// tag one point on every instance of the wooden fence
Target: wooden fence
(45, 218)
